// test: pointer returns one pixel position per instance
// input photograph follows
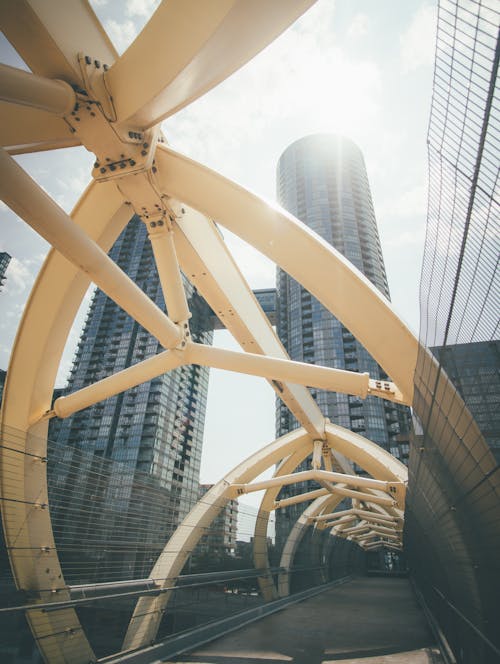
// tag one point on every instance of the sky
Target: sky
(358, 68)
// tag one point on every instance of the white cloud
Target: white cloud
(414, 237)
(71, 188)
(142, 8)
(20, 275)
(121, 34)
(358, 27)
(411, 202)
(304, 80)
(416, 48)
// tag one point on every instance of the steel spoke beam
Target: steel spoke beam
(359, 495)
(32, 204)
(21, 87)
(301, 498)
(112, 385)
(162, 242)
(352, 480)
(366, 514)
(337, 380)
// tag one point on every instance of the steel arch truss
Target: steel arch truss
(81, 92)
(290, 450)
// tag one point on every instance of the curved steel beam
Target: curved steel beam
(305, 256)
(296, 535)
(42, 334)
(368, 455)
(197, 45)
(149, 610)
(260, 549)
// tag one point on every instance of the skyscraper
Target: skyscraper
(153, 430)
(4, 264)
(322, 180)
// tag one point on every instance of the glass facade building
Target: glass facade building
(322, 180)
(156, 428)
(474, 369)
(4, 264)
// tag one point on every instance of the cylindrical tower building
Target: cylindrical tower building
(322, 180)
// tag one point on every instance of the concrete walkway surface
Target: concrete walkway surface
(366, 621)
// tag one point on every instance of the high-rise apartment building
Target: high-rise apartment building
(156, 428)
(322, 180)
(4, 264)
(220, 538)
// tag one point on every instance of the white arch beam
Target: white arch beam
(148, 611)
(306, 475)
(197, 46)
(41, 336)
(49, 35)
(208, 264)
(296, 535)
(260, 549)
(304, 256)
(365, 453)
(32, 204)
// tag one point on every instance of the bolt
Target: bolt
(131, 162)
(88, 59)
(92, 114)
(144, 153)
(96, 164)
(145, 145)
(154, 169)
(183, 211)
(105, 67)
(122, 164)
(103, 170)
(160, 223)
(97, 64)
(112, 167)
(153, 224)
(131, 134)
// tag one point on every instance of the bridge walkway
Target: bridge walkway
(370, 620)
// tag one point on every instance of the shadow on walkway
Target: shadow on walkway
(369, 620)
